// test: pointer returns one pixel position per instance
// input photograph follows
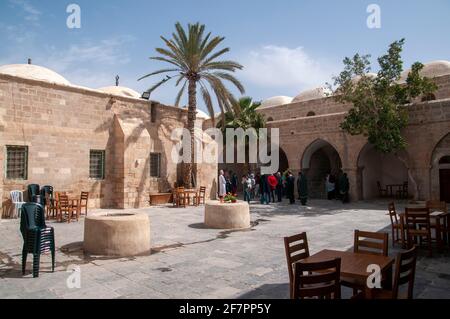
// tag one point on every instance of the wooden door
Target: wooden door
(444, 182)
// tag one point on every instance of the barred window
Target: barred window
(97, 164)
(16, 162)
(155, 165)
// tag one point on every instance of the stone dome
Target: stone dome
(431, 70)
(313, 94)
(369, 75)
(120, 90)
(200, 114)
(33, 72)
(275, 101)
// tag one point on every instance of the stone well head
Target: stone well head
(117, 234)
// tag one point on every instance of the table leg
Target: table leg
(402, 231)
(387, 279)
(438, 233)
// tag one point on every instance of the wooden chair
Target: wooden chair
(65, 207)
(403, 191)
(382, 192)
(366, 243)
(50, 207)
(438, 206)
(395, 224)
(296, 248)
(201, 196)
(418, 226)
(405, 270)
(83, 203)
(318, 279)
(182, 199)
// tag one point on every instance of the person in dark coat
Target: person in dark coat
(234, 184)
(302, 187)
(344, 187)
(279, 187)
(264, 189)
(290, 182)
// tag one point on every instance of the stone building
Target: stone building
(312, 140)
(107, 141)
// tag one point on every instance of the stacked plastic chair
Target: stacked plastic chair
(37, 237)
(46, 190)
(33, 192)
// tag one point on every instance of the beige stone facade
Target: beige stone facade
(62, 123)
(312, 140)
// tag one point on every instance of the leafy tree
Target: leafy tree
(380, 103)
(193, 59)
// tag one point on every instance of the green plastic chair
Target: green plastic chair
(37, 237)
(33, 192)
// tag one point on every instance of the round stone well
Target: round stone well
(227, 215)
(116, 234)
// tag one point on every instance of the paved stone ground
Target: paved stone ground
(191, 261)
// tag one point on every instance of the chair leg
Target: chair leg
(53, 256)
(36, 260)
(24, 260)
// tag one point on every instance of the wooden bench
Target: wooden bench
(160, 198)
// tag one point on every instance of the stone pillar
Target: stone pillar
(352, 174)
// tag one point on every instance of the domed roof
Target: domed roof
(431, 70)
(120, 90)
(202, 115)
(369, 75)
(312, 94)
(276, 100)
(33, 72)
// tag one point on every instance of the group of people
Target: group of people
(273, 187)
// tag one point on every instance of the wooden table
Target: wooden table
(390, 186)
(437, 215)
(188, 193)
(354, 265)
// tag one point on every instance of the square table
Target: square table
(354, 265)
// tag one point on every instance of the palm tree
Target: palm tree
(247, 118)
(192, 56)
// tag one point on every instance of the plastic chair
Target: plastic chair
(37, 237)
(17, 200)
(33, 192)
(44, 191)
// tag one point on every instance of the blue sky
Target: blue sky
(285, 46)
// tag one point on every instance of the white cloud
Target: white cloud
(31, 13)
(289, 70)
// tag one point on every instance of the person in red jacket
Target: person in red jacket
(273, 182)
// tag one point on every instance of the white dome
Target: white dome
(430, 70)
(200, 114)
(358, 77)
(33, 72)
(313, 94)
(120, 90)
(275, 101)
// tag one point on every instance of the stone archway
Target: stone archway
(283, 161)
(374, 166)
(440, 170)
(319, 159)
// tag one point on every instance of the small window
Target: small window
(429, 97)
(155, 165)
(97, 164)
(311, 113)
(16, 162)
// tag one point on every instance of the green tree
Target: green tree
(380, 103)
(193, 58)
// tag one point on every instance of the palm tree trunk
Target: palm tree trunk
(192, 110)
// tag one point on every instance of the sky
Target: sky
(285, 46)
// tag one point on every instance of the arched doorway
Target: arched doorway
(374, 166)
(283, 161)
(440, 170)
(319, 159)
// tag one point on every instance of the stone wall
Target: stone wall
(61, 124)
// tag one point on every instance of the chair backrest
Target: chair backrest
(417, 216)
(33, 190)
(392, 213)
(202, 190)
(16, 196)
(32, 215)
(296, 248)
(318, 279)
(436, 205)
(405, 269)
(379, 185)
(84, 197)
(371, 243)
(63, 200)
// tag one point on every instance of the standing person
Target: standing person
(247, 187)
(290, 181)
(337, 192)
(234, 183)
(262, 189)
(344, 186)
(222, 186)
(273, 182)
(257, 187)
(330, 186)
(302, 187)
(279, 186)
(283, 182)
(228, 180)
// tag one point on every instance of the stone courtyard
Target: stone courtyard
(191, 261)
